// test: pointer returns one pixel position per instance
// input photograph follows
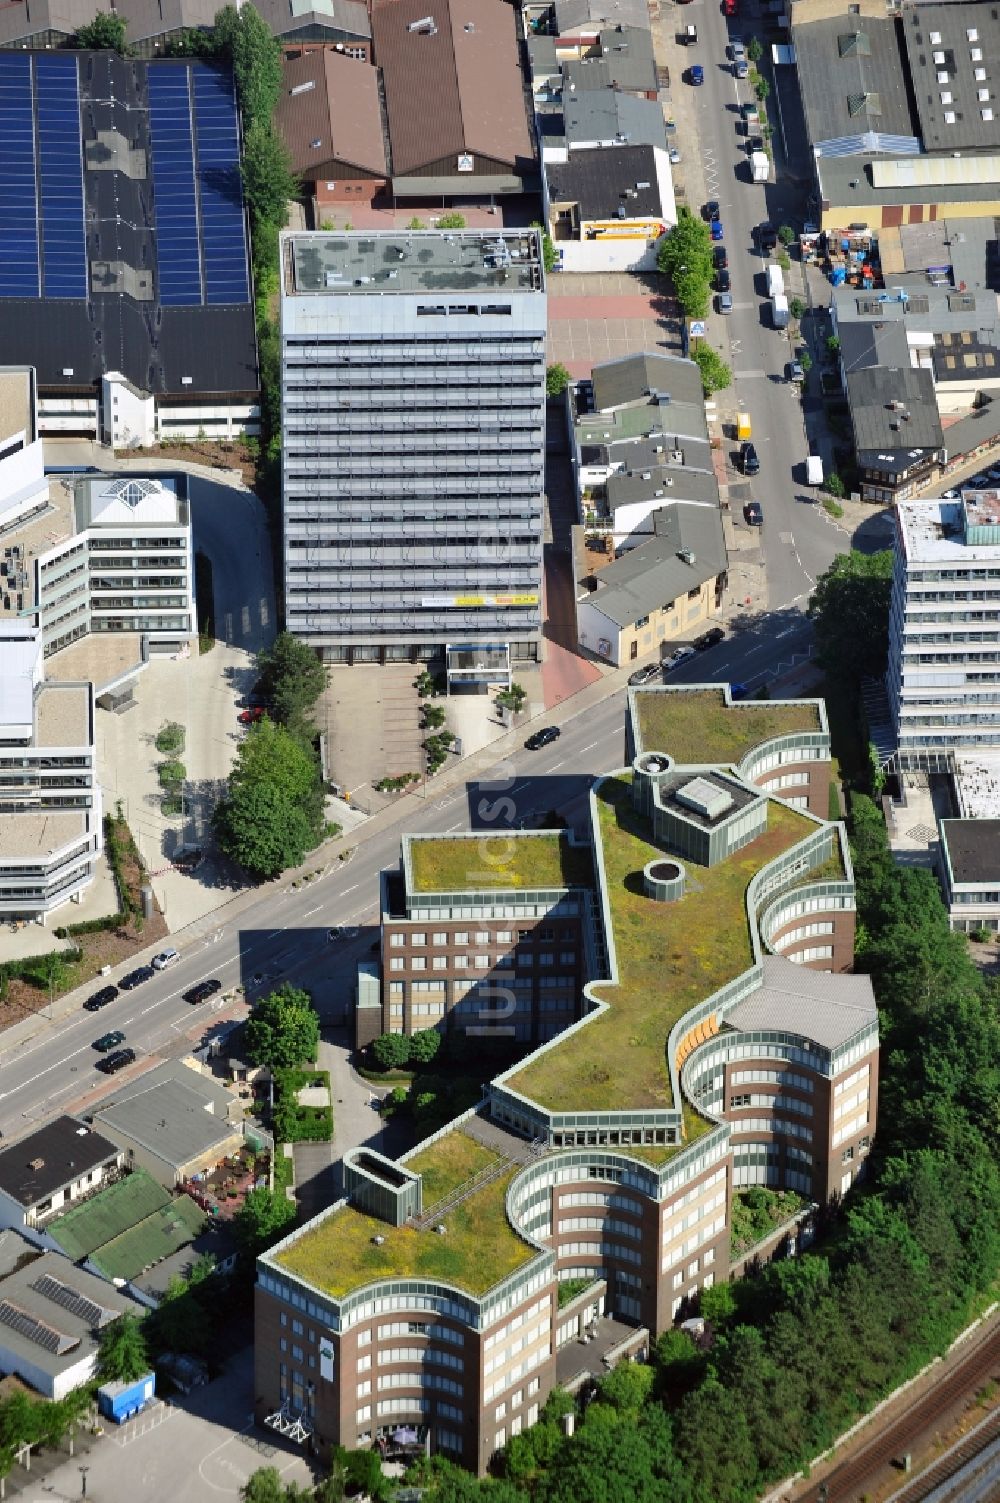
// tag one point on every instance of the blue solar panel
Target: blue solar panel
(64, 244)
(18, 206)
(220, 187)
(177, 260)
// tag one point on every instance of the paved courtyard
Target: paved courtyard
(596, 316)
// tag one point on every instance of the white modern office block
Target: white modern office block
(943, 679)
(413, 446)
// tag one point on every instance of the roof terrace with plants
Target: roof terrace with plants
(704, 724)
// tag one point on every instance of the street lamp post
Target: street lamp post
(83, 1480)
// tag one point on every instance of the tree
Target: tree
(797, 308)
(263, 1486)
(806, 362)
(755, 49)
(282, 1030)
(364, 1472)
(786, 234)
(256, 58)
(262, 1218)
(424, 1046)
(451, 221)
(762, 89)
(391, 1051)
(686, 258)
(267, 175)
(550, 256)
(715, 373)
(271, 815)
(431, 717)
(627, 1387)
(292, 678)
(834, 486)
(104, 33)
(717, 1303)
(512, 699)
(832, 346)
(556, 380)
(121, 1351)
(850, 612)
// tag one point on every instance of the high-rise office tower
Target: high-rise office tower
(413, 446)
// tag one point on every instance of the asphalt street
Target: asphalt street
(282, 934)
(797, 540)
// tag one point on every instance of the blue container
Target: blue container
(838, 276)
(120, 1401)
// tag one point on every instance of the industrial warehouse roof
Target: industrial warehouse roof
(851, 77)
(793, 999)
(464, 57)
(883, 182)
(51, 1314)
(647, 577)
(333, 18)
(640, 378)
(618, 182)
(972, 848)
(52, 1157)
(953, 51)
(878, 425)
(20, 22)
(329, 113)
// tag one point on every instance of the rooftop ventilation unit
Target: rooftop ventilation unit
(425, 25)
(687, 556)
(303, 88)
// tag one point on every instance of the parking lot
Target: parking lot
(596, 316)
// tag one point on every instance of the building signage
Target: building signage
(698, 329)
(465, 162)
(444, 601)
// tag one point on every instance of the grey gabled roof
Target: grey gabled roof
(851, 77)
(869, 395)
(664, 482)
(327, 18)
(576, 15)
(168, 1118)
(19, 22)
(607, 115)
(977, 428)
(816, 1005)
(647, 577)
(63, 1336)
(866, 343)
(634, 378)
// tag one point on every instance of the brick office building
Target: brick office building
(422, 1310)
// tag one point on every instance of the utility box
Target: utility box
(779, 311)
(120, 1401)
(775, 282)
(814, 470)
(760, 167)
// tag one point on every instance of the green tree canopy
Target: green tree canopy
(272, 813)
(263, 1217)
(267, 174)
(292, 678)
(715, 373)
(686, 258)
(850, 612)
(557, 379)
(256, 58)
(391, 1051)
(282, 1030)
(121, 1351)
(105, 31)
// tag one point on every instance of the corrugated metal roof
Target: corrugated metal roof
(331, 18)
(927, 172)
(813, 1004)
(453, 86)
(329, 112)
(851, 77)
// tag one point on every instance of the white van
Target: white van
(775, 281)
(691, 36)
(814, 470)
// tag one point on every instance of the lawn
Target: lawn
(477, 1250)
(700, 727)
(448, 1163)
(670, 957)
(498, 861)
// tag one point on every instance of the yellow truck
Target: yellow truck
(743, 426)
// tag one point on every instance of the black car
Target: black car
(136, 978)
(754, 143)
(723, 281)
(645, 675)
(720, 256)
(112, 1063)
(101, 999)
(541, 738)
(766, 236)
(711, 212)
(710, 638)
(749, 463)
(109, 1041)
(753, 516)
(202, 991)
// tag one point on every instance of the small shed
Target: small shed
(119, 1401)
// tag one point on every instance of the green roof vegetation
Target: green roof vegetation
(700, 727)
(497, 862)
(151, 1240)
(449, 1163)
(478, 1248)
(830, 870)
(670, 957)
(106, 1215)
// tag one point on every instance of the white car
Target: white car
(677, 658)
(675, 155)
(738, 52)
(165, 958)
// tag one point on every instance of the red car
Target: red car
(730, 7)
(251, 716)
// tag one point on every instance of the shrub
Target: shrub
(832, 508)
(797, 308)
(171, 774)
(981, 936)
(170, 738)
(834, 486)
(451, 221)
(556, 380)
(171, 805)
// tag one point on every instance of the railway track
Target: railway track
(868, 1468)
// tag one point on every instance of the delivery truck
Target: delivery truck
(814, 470)
(779, 311)
(760, 167)
(775, 282)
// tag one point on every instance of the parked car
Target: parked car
(251, 715)
(766, 236)
(675, 155)
(740, 69)
(723, 282)
(737, 51)
(203, 991)
(677, 658)
(645, 675)
(752, 514)
(993, 475)
(754, 143)
(710, 638)
(136, 978)
(717, 229)
(795, 371)
(544, 737)
(109, 1040)
(721, 257)
(711, 212)
(165, 958)
(749, 463)
(730, 7)
(343, 931)
(100, 999)
(112, 1063)
(725, 302)
(696, 76)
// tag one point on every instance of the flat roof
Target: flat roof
(26, 834)
(933, 531)
(526, 859)
(17, 414)
(52, 1157)
(862, 183)
(168, 1119)
(699, 725)
(20, 653)
(51, 524)
(973, 848)
(828, 1008)
(446, 261)
(63, 715)
(612, 116)
(952, 51)
(977, 782)
(616, 182)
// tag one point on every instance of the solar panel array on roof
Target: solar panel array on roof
(37, 1331)
(177, 260)
(220, 188)
(72, 1300)
(18, 205)
(60, 161)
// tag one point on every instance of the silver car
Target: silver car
(725, 302)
